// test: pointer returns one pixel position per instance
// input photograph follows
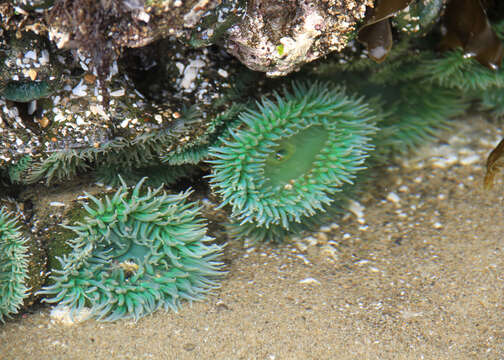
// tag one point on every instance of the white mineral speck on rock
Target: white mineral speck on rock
(32, 54)
(191, 72)
(57, 203)
(118, 93)
(223, 73)
(180, 67)
(80, 90)
(437, 225)
(310, 280)
(44, 58)
(80, 121)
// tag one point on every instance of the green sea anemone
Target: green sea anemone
(135, 253)
(285, 159)
(13, 265)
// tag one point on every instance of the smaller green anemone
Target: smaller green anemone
(135, 253)
(13, 265)
(285, 160)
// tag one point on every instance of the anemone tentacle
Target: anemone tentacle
(285, 159)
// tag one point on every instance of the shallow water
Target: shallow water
(419, 275)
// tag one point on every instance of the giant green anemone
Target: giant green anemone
(285, 159)
(135, 253)
(13, 265)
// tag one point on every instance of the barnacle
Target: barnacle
(135, 253)
(287, 157)
(13, 265)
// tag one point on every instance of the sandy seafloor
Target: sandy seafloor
(418, 275)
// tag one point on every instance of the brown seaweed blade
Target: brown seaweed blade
(468, 27)
(495, 162)
(376, 34)
(377, 38)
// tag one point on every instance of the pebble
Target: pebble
(309, 280)
(325, 229)
(444, 162)
(330, 252)
(393, 198)
(301, 245)
(469, 160)
(311, 240)
(305, 260)
(403, 189)
(356, 208)
(321, 236)
(334, 226)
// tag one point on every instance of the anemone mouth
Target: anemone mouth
(136, 253)
(295, 156)
(286, 159)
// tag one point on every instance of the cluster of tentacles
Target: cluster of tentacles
(13, 265)
(136, 252)
(286, 159)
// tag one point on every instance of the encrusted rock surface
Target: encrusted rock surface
(277, 37)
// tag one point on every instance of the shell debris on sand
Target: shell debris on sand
(310, 281)
(68, 317)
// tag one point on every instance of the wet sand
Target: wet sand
(418, 275)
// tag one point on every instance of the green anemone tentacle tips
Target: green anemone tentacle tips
(13, 265)
(135, 253)
(284, 160)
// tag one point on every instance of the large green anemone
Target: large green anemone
(285, 159)
(13, 265)
(135, 253)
